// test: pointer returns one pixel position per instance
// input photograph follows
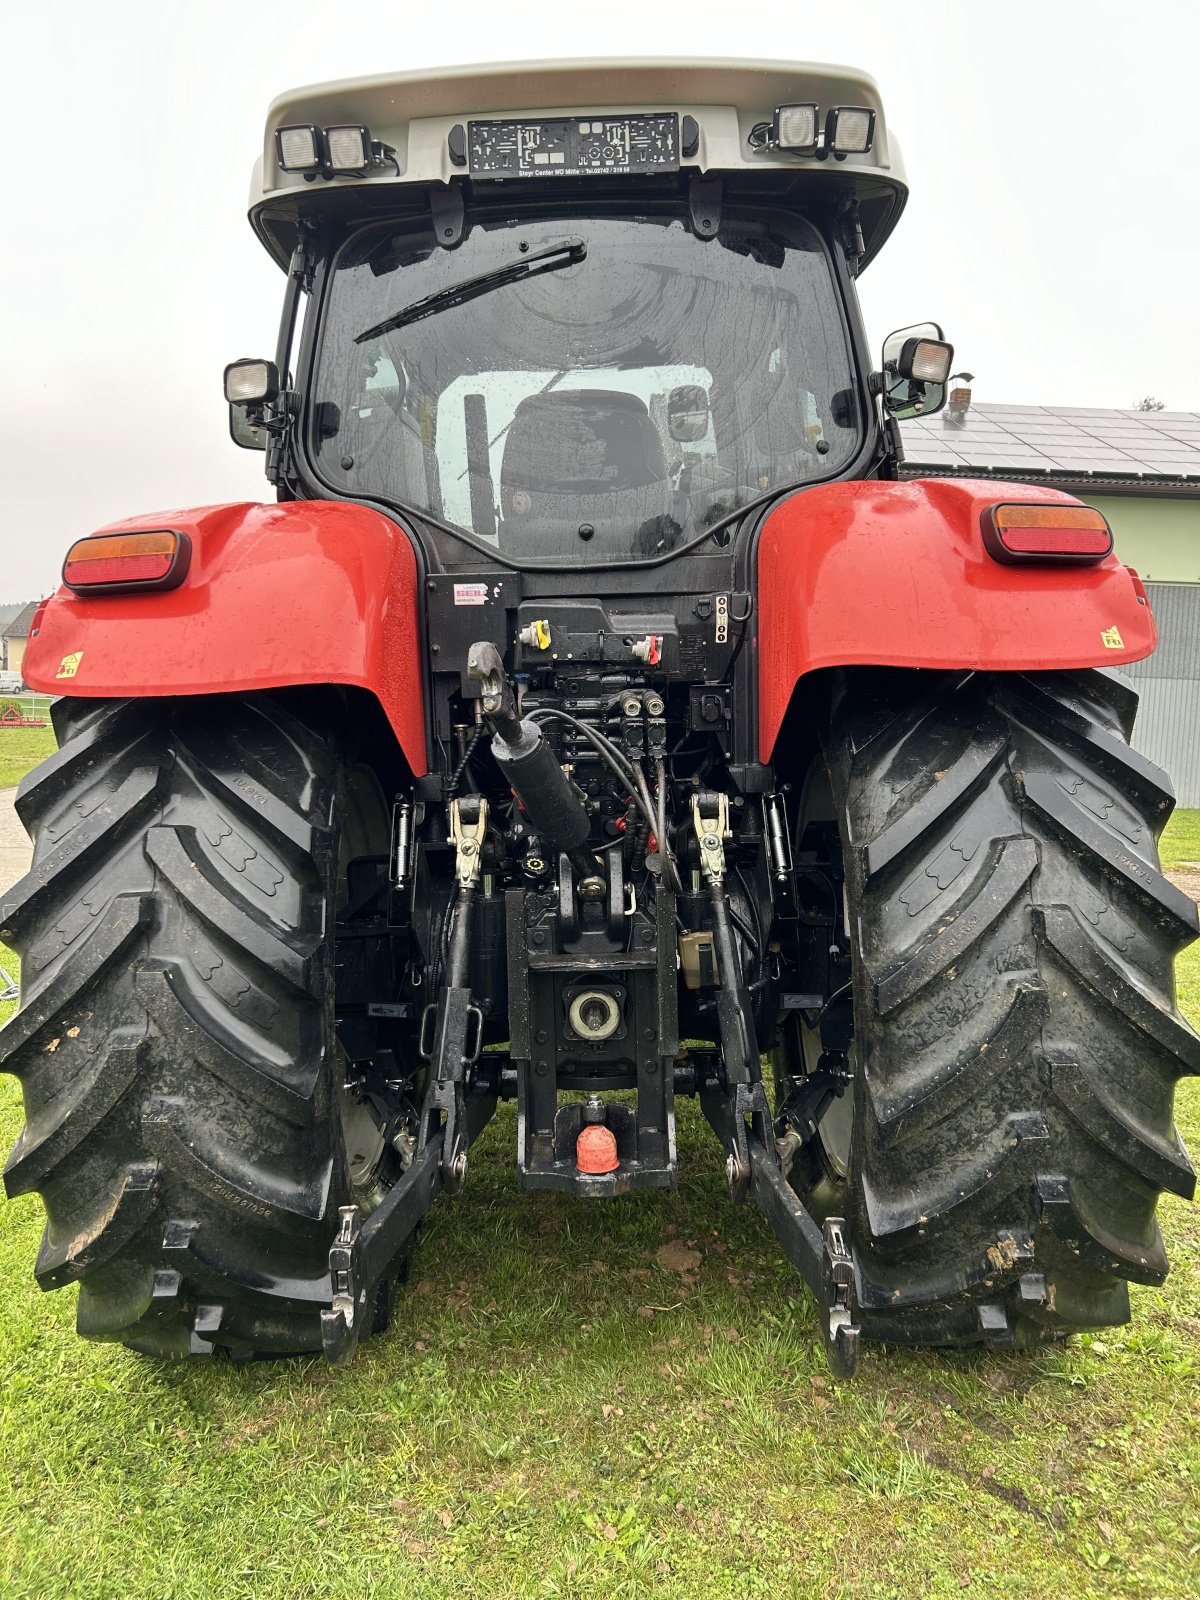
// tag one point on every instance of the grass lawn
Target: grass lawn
(1180, 844)
(21, 749)
(560, 1411)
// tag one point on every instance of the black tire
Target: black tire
(1017, 1041)
(175, 1040)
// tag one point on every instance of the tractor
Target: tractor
(596, 715)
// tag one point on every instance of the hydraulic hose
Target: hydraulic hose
(547, 795)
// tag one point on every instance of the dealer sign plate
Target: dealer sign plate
(574, 147)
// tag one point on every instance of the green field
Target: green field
(1180, 844)
(21, 749)
(617, 1400)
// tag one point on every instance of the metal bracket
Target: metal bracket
(852, 234)
(808, 1099)
(341, 1324)
(467, 838)
(448, 212)
(739, 1118)
(751, 1117)
(836, 1299)
(362, 1254)
(485, 666)
(704, 202)
(711, 832)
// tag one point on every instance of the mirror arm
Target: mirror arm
(299, 278)
(278, 419)
(895, 441)
(278, 424)
(852, 235)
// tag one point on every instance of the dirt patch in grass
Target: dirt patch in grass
(1187, 877)
(984, 1480)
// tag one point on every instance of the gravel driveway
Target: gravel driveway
(15, 849)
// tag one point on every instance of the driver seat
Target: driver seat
(581, 455)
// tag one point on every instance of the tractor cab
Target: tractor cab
(573, 315)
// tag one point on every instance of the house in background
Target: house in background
(1142, 469)
(8, 614)
(15, 622)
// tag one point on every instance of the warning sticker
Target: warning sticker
(470, 594)
(70, 665)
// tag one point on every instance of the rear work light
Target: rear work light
(299, 149)
(796, 129)
(348, 150)
(1031, 531)
(849, 130)
(344, 151)
(114, 562)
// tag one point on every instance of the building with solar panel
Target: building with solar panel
(1142, 469)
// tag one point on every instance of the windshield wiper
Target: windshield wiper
(552, 259)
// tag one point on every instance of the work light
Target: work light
(348, 150)
(926, 360)
(849, 130)
(299, 148)
(795, 129)
(250, 382)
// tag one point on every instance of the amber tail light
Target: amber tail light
(114, 562)
(1020, 532)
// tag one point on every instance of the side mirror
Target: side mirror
(916, 367)
(246, 431)
(687, 413)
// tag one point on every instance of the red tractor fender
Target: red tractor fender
(896, 574)
(310, 591)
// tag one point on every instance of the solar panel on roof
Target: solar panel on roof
(1065, 441)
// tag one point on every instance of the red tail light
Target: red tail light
(1035, 531)
(117, 561)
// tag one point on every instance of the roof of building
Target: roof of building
(15, 621)
(1153, 452)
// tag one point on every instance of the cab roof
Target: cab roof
(414, 114)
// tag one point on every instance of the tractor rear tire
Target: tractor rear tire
(175, 1039)
(1017, 1041)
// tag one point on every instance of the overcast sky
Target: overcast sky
(1053, 154)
